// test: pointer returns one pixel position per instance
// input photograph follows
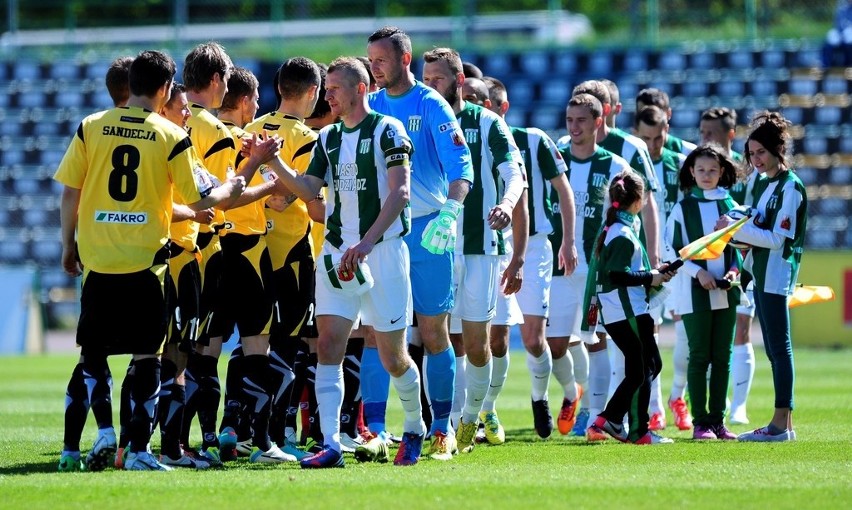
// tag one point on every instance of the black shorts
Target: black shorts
(295, 284)
(247, 296)
(124, 313)
(185, 286)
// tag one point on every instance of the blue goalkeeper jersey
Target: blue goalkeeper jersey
(440, 152)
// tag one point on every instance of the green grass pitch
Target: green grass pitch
(813, 472)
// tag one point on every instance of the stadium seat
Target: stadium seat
(26, 70)
(522, 93)
(740, 59)
(600, 64)
(64, 70)
(702, 60)
(535, 63)
(9, 157)
(764, 88)
(840, 175)
(13, 245)
(730, 87)
(499, 65)
(32, 99)
(773, 59)
(696, 88)
(548, 118)
(555, 93)
(635, 61)
(828, 115)
(565, 64)
(69, 99)
(672, 61)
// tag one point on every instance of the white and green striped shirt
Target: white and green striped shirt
(543, 162)
(782, 205)
(589, 179)
(622, 252)
(667, 170)
(690, 219)
(355, 163)
(494, 156)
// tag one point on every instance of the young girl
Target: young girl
(623, 281)
(709, 312)
(777, 237)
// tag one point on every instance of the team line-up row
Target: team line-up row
(369, 199)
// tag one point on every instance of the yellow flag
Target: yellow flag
(713, 244)
(809, 294)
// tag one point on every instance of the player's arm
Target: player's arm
(650, 221)
(182, 212)
(513, 276)
(506, 157)
(451, 148)
(306, 186)
(316, 208)
(567, 212)
(399, 186)
(68, 206)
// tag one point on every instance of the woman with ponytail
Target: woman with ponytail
(777, 236)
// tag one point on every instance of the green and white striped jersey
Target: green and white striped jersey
(589, 179)
(678, 145)
(635, 152)
(543, 162)
(622, 251)
(690, 219)
(667, 170)
(494, 156)
(743, 191)
(355, 163)
(782, 204)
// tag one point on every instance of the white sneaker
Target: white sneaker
(103, 450)
(762, 435)
(349, 443)
(143, 461)
(272, 456)
(184, 461)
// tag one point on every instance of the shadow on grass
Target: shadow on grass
(531, 436)
(47, 464)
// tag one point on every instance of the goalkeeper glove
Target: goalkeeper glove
(440, 234)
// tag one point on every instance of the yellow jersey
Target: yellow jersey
(128, 162)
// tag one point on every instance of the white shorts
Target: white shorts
(387, 306)
(508, 312)
(566, 312)
(475, 288)
(534, 296)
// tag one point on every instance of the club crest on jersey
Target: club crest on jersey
(414, 122)
(598, 180)
(126, 218)
(365, 145)
(471, 135)
(786, 223)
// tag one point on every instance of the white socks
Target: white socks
(563, 370)
(460, 391)
(656, 403)
(499, 372)
(329, 391)
(680, 361)
(616, 365)
(599, 374)
(408, 388)
(478, 379)
(540, 369)
(742, 374)
(581, 370)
